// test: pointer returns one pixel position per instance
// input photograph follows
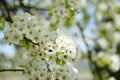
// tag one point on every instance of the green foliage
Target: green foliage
(60, 61)
(53, 25)
(50, 14)
(117, 9)
(25, 43)
(103, 32)
(118, 48)
(1, 25)
(69, 21)
(86, 18)
(58, 53)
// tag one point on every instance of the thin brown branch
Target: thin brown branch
(83, 37)
(95, 70)
(4, 3)
(49, 70)
(28, 7)
(87, 46)
(31, 41)
(11, 9)
(4, 70)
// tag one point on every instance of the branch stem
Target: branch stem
(4, 70)
(94, 69)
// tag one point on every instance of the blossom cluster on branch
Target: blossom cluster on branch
(64, 10)
(45, 48)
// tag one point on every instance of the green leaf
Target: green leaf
(34, 54)
(70, 21)
(1, 25)
(58, 53)
(58, 61)
(25, 43)
(63, 62)
(103, 32)
(117, 9)
(53, 25)
(72, 12)
(56, 22)
(66, 3)
(118, 48)
(50, 14)
(54, 42)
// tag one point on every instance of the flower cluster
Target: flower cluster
(45, 47)
(54, 46)
(35, 69)
(24, 25)
(66, 72)
(64, 9)
(38, 70)
(60, 48)
(111, 61)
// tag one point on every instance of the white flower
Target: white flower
(116, 18)
(16, 38)
(103, 43)
(65, 72)
(51, 57)
(115, 65)
(102, 6)
(7, 38)
(65, 43)
(116, 36)
(112, 78)
(30, 33)
(112, 61)
(35, 37)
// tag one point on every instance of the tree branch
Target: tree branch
(4, 70)
(94, 68)
(31, 41)
(31, 7)
(10, 9)
(4, 3)
(83, 37)
(49, 70)
(87, 46)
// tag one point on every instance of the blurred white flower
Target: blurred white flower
(103, 43)
(99, 16)
(104, 59)
(111, 78)
(116, 18)
(8, 50)
(115, 65)
(102, 6)
(116, 36)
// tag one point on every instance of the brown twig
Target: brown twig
(31, 7)
(31, 41)
(87, 46)
(4, 3)
(94, 68)
(49, 70)
(11, 9)
(4, 70)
